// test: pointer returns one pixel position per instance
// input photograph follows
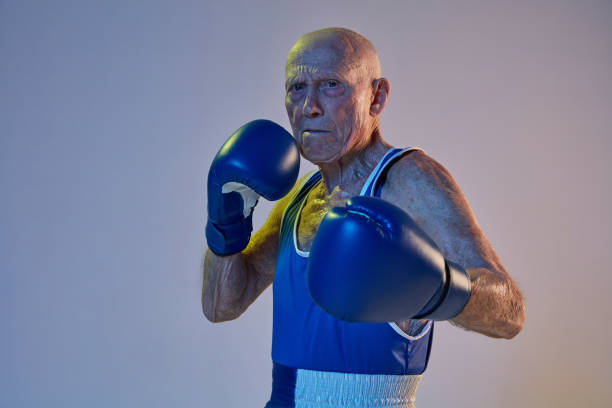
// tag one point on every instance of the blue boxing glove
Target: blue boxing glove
(260, 158)
(370, 262)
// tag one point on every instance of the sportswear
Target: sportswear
(319, 359)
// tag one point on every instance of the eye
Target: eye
(296, 87)
(332, 84)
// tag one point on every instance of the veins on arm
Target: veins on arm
(232, 283)
(225, 280)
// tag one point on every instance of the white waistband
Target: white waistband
(322, 389)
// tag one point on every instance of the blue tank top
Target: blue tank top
(304, 336)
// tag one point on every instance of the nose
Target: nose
(312, 108)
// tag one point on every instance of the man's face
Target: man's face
(328, 102)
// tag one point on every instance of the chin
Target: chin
(323, 148)
(320, 158)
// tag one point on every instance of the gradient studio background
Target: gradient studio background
(110, 113)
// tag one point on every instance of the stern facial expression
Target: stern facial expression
(327, 99)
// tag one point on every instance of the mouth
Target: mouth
(311, 131)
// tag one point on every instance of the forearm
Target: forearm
(496, 307)
(225, 281)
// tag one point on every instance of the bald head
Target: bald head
(331, 45)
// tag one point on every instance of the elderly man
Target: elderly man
(364, 253)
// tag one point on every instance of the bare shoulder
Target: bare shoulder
(426, 190)
(420, 182)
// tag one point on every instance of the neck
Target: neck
(350, 172)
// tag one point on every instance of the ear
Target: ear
(381, 88)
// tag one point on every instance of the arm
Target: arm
(232, 283)
(427, 192)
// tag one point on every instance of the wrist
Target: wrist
(452, 297)
(229, 238)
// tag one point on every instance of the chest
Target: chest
(316, 205)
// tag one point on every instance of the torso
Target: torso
(317, 204)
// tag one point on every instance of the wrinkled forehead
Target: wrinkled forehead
(322, 58)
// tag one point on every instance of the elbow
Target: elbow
(221, 319)
(207, 309)
(210, 316)
(518, 326)
(513, 312)
(512, 330)
(516, 322)
(214, 316)
(502, 329)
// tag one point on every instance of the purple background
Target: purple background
(110, 113)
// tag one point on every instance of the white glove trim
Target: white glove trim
(249, 196)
